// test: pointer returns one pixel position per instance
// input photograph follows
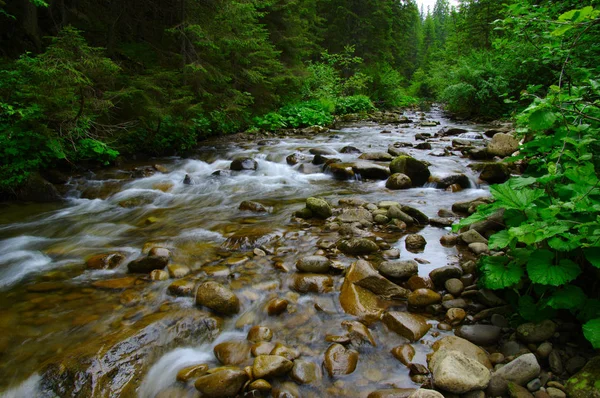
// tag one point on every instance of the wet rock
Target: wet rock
(260, 385)
(423, 298)
(479, 248)
(418, 215)
(359, 333)
(232, 352)
(315, 130)
(319, 159)
(305, 372)
(449, 240)
(416, 170)
(105, 261)
(455, 372)
(277, 306)
(398, 181)
(147, 264)
(472, 236)
(286, 352)
(312, 283)
(404, 353)
(37, 189)
(534, 385)
(376, 156)
(399, 269)
(483, 335)
(423, 145)
(450, 131)
(226, 383)
(454, 316)
(585, 382)
(469, 207)
(394, 393)
(494, 173)
(459, 179)
(497, 387)
(365, 276)
(255, 207)
(314, 264)
(181, 288)
(415, 243)
(322, 151)
(266, 366)
(259, 333)
(425, 393)
(441, 222)
(521, 370)
(359, 301)
(339, 360)
(357, 246)
(418, 282)
(536, 332)
(350, 149)
(218, 298)
(555, 361)
(489, 298)
(115, 284)
(407, 325)
(262, 348)
(395, 148)
(381, 219)
(516, 391)
(453, 343)
(178, 271)
(395, 212)
(192, 372)
(575, 364)
(295, 158)
(243, 164)
(439, 276)
(502, 145)
(454, 286)
(341, 171)
(159, 275)
(370, 170)
(319, 207)
(355, 215)
(555, 393)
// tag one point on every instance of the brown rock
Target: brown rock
(181, 287)
(259, 333)
(116, 284)
(232, 352)
(404, 353)
(105, 261)
(277, 306)
(226, 383)
(312, 283)
(218, 298)
(305, 372)
(339, 360)
(407, 325)
(423, 298)
(365, 276)
(192, 372)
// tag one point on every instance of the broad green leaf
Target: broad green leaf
(513, 199)
(591, 331)
(499, 273)
(499, 240)
(565, 242)
(538, 231)
(589, 310)
(592, 254)
(520, 182)
(482, 213)
(541, 119)
(571, 297)
(532, 311)
(561, 30)
(541, 269)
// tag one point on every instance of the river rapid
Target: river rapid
(62, 333)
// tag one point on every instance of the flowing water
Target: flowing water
(54, 316)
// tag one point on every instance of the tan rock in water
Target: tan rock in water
(225, 383)
(192, 372)
(232, 352)
(259, 333)
(339, 360)
(218, 298)
(423, 298)
(105, 261)
(305, 372)
(312, 283)
(266, 366)
(404, 353)
(277, 306)
(410, 326)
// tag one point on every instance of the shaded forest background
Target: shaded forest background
(85, 81)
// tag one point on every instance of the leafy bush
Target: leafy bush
(354, 104)
(309, 113)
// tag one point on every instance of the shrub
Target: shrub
(354, 104)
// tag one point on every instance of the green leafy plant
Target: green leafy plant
(354, 104)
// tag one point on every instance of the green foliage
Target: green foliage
(354, 104)
(308, 113)
(552, 215)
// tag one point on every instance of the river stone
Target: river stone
(415, 243)
(393, 393)
(536, 332)
(520, 370)
(355, 215)
(181, 288)
(314, 264)
(319, 207)
(147, 264)
(395, 212)
(105, 261)
(341, 171)
(259, 333)
(555, 361)
(350, 149)
(407, 325)
(395, 149)
(277, 306)
(178, 271)
(359, 301)
(226, 383)
(260, 385)
(516, 391)
(449, 131)
(376, 156)
(192, 372)
(357, 246)
(425, 393)
(294, 158)
(472, 236)
(398, 181)
(416, 170)
(459, 179)
(494, 173)
(368, 278)
(554, 392)
(339, 360)
(232, 352)
(399, 269)
(454, 316)
(454, 286)
(404, 353)
(359, 333)
(479, 248)
(370, 170)
(483, 335)
(380, 219)
(423, 298)
(503, 145)
(455, 372)
(439, 276)
(255, 207)
(262, 348)
(305, 372)
(417, 214)
(218, 298)
(243, 164)
(585, 383)
(322, 151)
(312, 283)
(575, 364)
(266, 366)
(286, 352)
(453, 343)
(159, 275)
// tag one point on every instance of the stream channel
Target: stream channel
(67, 330)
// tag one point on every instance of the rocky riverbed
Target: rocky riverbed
(316, 263)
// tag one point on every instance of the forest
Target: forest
(84, 83)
